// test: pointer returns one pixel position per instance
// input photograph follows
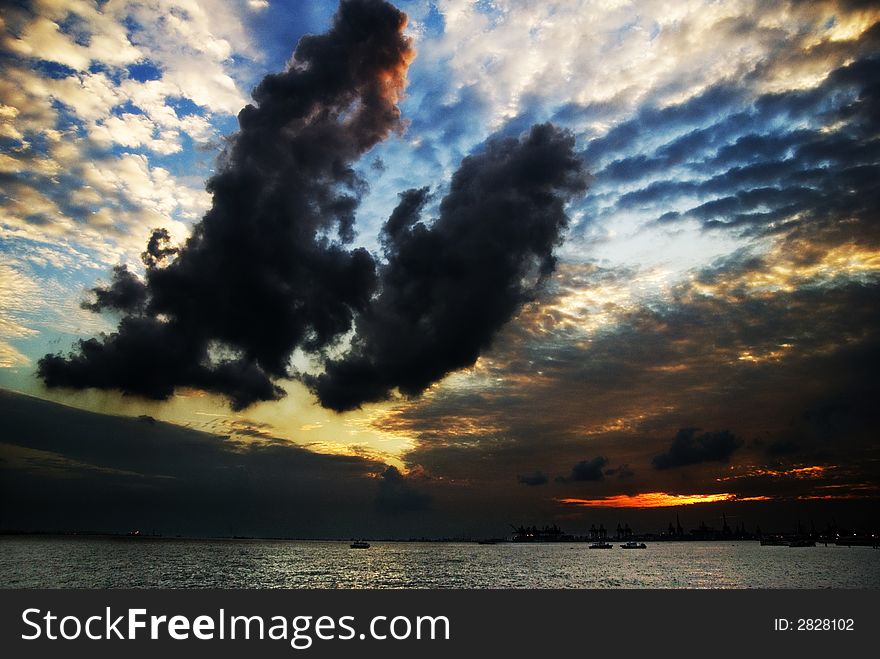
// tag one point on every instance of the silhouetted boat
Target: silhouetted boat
(632, 544)
(601, 545)
(802, 542)
(360, 544)
(488, 541)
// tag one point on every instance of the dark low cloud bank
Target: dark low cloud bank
(448, 287)
(399, 494)
(622, 472)
(690, 448)
(64, 469)
(268, 271)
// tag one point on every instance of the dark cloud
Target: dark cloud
(589, 470)
(406, 213)
(448, 287)
(536, 478)
(125, 293)
(149, 357)
(623, 471)
(266, 270)
(690, 448)
(159, 248)
(398, 494)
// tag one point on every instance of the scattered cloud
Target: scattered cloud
(83, 127)
(589, 470)
(691, 447)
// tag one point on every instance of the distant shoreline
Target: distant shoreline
(859, 540)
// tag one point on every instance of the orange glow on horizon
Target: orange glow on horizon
(653, 500)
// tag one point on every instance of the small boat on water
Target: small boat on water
(488, 541)
(802, 542)
(601, 545)
(360, 544)
(632, 544)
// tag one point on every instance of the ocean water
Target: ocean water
(92, 562)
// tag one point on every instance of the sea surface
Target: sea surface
(102, 562)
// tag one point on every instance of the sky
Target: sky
(322, 269)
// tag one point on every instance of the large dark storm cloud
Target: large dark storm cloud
(448, 287)
(64, 469)
(267, 269)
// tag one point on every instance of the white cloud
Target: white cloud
(10, 357)
(624, 51)
(72, 192)
(16, 291)
(31, 303)
(135, 130)
(43, 39)
(190, 43)
(108, 212)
